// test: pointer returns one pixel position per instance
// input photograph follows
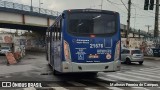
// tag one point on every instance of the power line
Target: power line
(116, 7)
(114, 2)
(142, 16)
(137, 6)
(124, 5)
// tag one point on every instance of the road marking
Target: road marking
(157, 59)
(122, 78)
(31, 88)
(54, 85)
(105, 78)
(153, 76)
(90, 89)
(153, 71)
(59, 88)
(142, 78)
(107, 86)
(115, 88)
(146, 69)
(140, 88)
(76, 83)
(146, 72)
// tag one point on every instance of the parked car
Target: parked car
(5, 49)
(132, 55)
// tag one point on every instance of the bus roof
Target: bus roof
(88, 10)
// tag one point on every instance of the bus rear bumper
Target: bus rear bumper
(91, 67)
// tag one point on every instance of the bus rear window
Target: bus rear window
(136, 52)
(92, 23)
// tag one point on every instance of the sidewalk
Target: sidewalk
(151, 58)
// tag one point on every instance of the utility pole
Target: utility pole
(40, 6)
(31, 6)
(156, 30)
(128, 20)
(101, 4)
(148, 26)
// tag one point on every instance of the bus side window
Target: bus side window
(52, 30)
(55, 33)
(60, 28)
(48, 35)
(57, 30)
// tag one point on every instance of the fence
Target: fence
(28, 8)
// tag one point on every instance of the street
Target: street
(34, 67)
(79, 38)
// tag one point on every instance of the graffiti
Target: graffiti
(28, 42)
(22, 42)
(146, 45)
(39, 42)
(7, 39)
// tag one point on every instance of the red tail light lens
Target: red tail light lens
(67, 53)
(92, 36)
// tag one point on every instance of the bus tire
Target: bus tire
(55, 72)
(128, 61)
(92, 74)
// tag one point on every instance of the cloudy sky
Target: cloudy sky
(139, 17)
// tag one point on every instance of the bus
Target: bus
(84, 40)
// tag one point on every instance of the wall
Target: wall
(145, 44)
(30, 43)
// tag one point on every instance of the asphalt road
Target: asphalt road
(34, 67)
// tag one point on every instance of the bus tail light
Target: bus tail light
(117, 51)
(92, 36)
(67, 53)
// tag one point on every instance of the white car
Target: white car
(131, 55)
(5, 49)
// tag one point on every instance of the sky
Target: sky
(139, 17)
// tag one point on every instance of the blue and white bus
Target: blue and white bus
(84, 40)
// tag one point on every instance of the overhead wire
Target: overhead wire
(137, 6)
(140, 16)
(124, 5)
(116, 7)
(114, 2)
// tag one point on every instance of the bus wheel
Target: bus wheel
(93, 74)
(128, 61)
(56, 72)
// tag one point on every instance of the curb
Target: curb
(152, 58)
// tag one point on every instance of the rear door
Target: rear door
(137, 54)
